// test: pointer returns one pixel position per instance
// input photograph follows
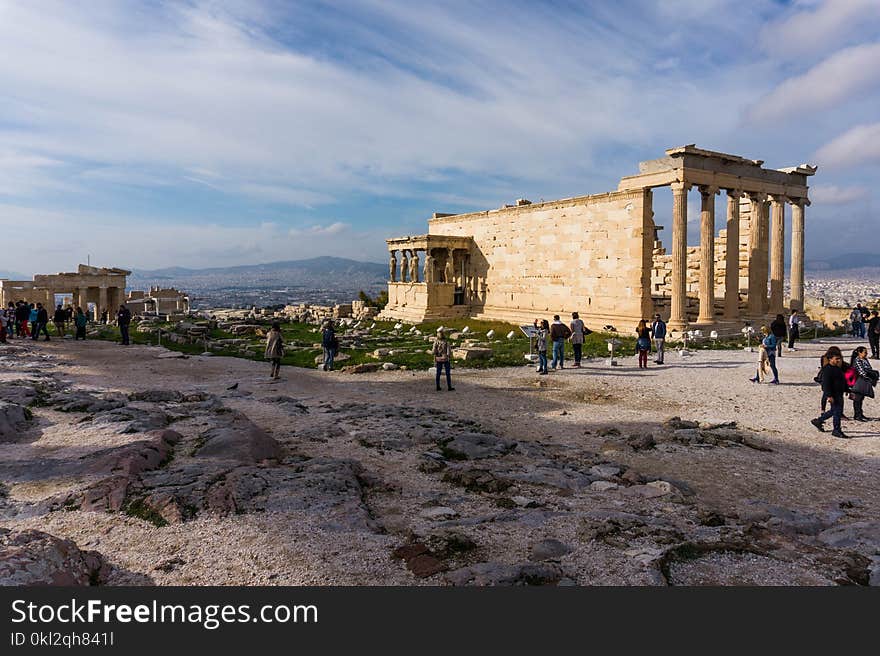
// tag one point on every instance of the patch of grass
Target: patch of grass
(137, 508)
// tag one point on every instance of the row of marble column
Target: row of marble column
(766, 255)
(407, 270)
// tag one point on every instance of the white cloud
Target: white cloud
(834, 195)
(844, 76)
(858, 145)
(817, 27)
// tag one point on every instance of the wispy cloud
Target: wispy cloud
(832, 194)
(813, 27)
(858, 145)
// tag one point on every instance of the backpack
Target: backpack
(851, 375)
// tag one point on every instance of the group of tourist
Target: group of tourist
(554, 336)
(839, 379)
(22, 319)
(866, 323)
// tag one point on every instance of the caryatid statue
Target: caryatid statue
(428, 273)
(414, 267)
(404, 266)
(449, 272)
(392, 267)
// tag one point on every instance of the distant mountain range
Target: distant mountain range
(13, 275)
(843, 261)
(291, 269)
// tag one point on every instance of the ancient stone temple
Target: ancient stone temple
(602, 255)
(91, 288)
(157, 301)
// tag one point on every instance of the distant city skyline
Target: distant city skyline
(156, 134)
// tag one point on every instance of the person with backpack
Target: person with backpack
(658, 331)
(442, 351)
(768, 349)
(275, 349)
(643, 343)
(559, 332)
(541, 335)
(794, 329)
(123, 320)
(329, 343)
(777, 327)
(833, 388)
(578, 332)
(874, 334)
(80, 321)
(42, 323)
(59, 319)
(863, 380)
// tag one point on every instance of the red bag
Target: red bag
(851, 376)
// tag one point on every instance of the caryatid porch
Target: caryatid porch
(430, 276)
(765, 193)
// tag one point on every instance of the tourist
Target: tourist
(443, 359)
(59, 319)
(578, 332)
(855, 320)
(559, 332)
(329, 343)
(275, 349)
(874, 334)
(865, 379)
(32, 319)
(80, 321)
(794, 329)
(541, 334)
(768, 349)
(643, 343)
(777, 327)
(42, 324)
(866, 314)
(11, 321)
(833, 388)
(123, 320)
(2, 326)
(658, 331)
(22, 316)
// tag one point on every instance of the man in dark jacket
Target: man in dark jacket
(42, 323)
(123, 319)
(59, 319)
(874, 334)
(778, 328)
(559, 332)
(834, 386)
(658, 330)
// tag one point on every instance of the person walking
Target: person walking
(543, 332)
(865, 379)
(80, 321)
(833, 388)
(559, 332)
(22, 317)
(768, 349)
(42, 323)
(643, 343)
(123, 320)
(275, 349)
(658, 331)
(443, 359)
(777, 327)
(874, 334)
(59, 319)
(329, 343)
(578, 332)
(794, 329)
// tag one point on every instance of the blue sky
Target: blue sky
(150, 134)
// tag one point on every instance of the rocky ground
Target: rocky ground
(123, 466)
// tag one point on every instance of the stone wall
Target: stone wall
(590, 254)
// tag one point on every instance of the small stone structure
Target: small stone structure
(601, 255)
(103, 288)
(157, 300)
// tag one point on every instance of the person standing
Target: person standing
(794, 329)
(443, 359)
(855, 320)
(768, 344)
(11, 319)
(865, 379)
(559, 332)
(658, 330)
(541, 335)
(643, 343)
(578, 332)
(275, 349)
(874, 334)
(777, 327)
(80, 321)
(32, 320)
(329, 343)
(59, 319)
(833, 387)
(42, 323)
(123, 320)
(22, 316)
(3, 323)
(866, 314)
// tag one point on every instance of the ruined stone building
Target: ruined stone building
(157, 300)
(92, 288)
(602, 255)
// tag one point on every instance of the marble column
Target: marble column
(404, 265)
(449, 269)
(392, 267)
(731, 257)
(414, 267)
(797, 253)
(102, 301)
(777, 254)
(707, 255)
(757, 283)
(678, 302)
(84, 299)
